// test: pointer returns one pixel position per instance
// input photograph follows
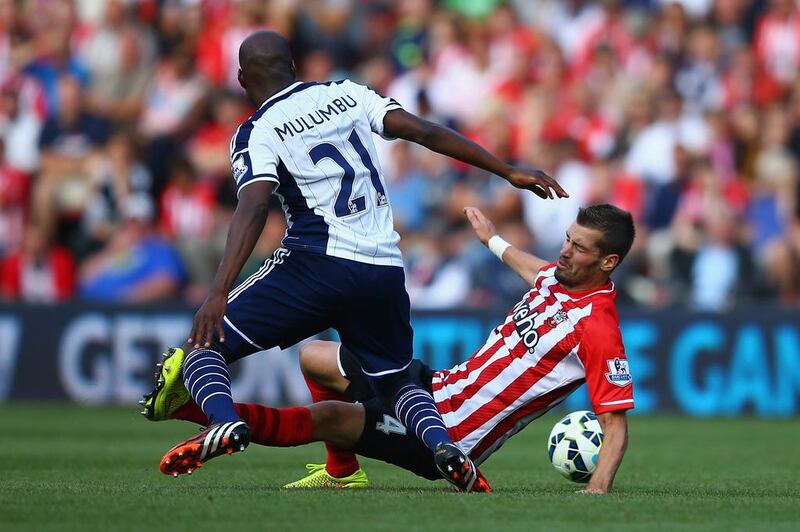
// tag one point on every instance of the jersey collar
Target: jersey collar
(281, 93)
(607, 288)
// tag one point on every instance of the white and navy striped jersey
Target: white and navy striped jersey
(315, 141)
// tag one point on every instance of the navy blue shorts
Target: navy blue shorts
(298, 294)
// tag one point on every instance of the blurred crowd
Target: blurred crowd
(116, 117)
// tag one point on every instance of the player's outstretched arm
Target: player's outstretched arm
(404, 125)
(245, 229)
(615, 441)
(524, 264)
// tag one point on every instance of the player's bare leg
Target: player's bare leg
(319, 361)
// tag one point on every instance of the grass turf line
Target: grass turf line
(69, 468)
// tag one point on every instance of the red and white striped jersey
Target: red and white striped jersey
(550, 343)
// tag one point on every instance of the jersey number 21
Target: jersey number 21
(344, 204)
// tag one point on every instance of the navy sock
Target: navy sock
(417, 411)
(206, 376)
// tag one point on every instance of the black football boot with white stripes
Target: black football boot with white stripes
(216, 440)
(456, 467)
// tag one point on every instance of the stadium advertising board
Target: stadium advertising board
(705, 365)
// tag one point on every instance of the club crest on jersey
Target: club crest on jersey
(239, 168)
(559, 317)
(618, 373)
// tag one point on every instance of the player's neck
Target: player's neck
(271, 89)
(588, 286)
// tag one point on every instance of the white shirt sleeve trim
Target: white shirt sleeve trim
(621, 402)
(263, 178)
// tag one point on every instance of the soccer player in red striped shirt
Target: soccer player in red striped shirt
(562, 333)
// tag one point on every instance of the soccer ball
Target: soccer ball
(574, 444)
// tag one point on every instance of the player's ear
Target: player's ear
(609, 262)
(240, 77)
(293, 69)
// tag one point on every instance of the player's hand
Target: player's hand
(483, 226)
(537, 182)
(209, 320)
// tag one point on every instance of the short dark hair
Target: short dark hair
(615, 224)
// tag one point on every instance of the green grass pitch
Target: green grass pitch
(69, 468)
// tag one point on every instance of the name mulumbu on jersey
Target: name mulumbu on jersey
(318, 117)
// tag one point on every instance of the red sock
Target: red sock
(275, 427)
(191, 412)
(340, 463)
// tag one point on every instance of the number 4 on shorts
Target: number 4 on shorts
(390, 426)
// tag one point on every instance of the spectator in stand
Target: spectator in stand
(408, 185)
(120, 76)
(744, 125)
(55, 61)
(37, 272)
(209, 147)
(188, 218)
(698, 80)
(794, 125)
(777, 41)
(670, 31)
(245, 17)
(462, 62)
(9, 32)
(438, 275)
(730, 25)
(773, 217)
(579, 120)
(652, 156)
(720, 263)
(68, 141)
(570, 23)
(746, 82)
(20, 126)
(119, 54)
(14, 187)
(549, 223)
(137, 265)
(475, 187)
(173, 108)
(116, 175)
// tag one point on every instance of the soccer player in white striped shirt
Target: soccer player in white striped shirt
(339, 267)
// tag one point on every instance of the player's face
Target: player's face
(580, 260)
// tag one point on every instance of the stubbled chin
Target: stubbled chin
(561, 278)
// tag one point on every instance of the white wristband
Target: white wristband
(497, 246)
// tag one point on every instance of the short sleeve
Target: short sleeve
(375, 106)
(252, 157)
(608, 377)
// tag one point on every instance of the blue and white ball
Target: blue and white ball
(574, 445)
